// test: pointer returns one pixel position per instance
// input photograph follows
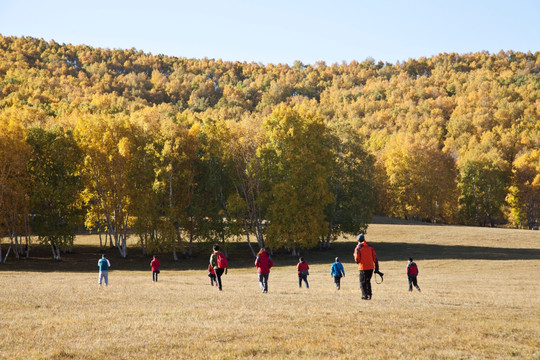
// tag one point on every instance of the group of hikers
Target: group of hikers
(363, 254)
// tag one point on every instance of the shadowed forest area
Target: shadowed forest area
(493, 246)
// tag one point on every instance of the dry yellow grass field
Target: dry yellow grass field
(480, 299)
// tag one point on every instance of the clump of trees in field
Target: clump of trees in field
(176, 150)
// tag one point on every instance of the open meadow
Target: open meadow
(480, 299)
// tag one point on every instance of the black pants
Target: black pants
(413, 281)
(219, 272)
(365, 283)
(337, 281)
(304, 278)
(154, 275)
(263, 281)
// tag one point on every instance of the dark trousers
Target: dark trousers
(413, 281)
(337, 281)
(300, 278)
(154, 275)
(219, 272)
(263, 281)
(365, 283)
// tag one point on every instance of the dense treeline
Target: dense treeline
(177, 150)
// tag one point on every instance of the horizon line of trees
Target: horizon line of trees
(289, 181)
(176, 150)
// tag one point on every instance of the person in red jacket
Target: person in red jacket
(211, 274)
(303, 272)
(412, 274)
(263, 262)
(365, 257)
(154, 264)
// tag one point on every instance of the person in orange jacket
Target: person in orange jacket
(155, 265)
(365, 257)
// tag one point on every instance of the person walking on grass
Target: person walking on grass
(412, 274)
(263, 262)
(337, 271)
(365, 257)
(211, 275)
(155, 265)
(303, 272)
(219, 263)
(103, 265)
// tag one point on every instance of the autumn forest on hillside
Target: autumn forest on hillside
(174, 150)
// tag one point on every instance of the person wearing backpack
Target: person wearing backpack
(412, 274)
(303, 272)
(219, 263)
(337, 272)
(365, 257)
(104, 265)
(263, 262)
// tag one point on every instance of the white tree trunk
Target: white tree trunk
(7, 253)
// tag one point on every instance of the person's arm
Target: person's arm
(270, 263)
(108, 263)
(342, 269)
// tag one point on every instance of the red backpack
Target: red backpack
(222, 261)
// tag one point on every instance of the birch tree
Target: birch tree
(297, 159)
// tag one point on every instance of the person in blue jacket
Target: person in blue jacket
(337, 271)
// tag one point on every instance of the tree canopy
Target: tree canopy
(175, 150)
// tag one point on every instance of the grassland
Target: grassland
(480, 299)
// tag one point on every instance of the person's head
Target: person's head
(262, 250)
(337, 259)
(216, 247)
(360, 238)
(410, 259)
(301, 259)
(103, 256)
(155, 257)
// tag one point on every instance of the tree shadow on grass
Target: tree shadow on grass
(402, 251)
(84, 257)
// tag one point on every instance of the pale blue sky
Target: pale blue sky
(280, 31)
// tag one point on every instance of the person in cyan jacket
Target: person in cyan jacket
(263, 262)
(104, 265)
(412, 274)
(337, 271)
